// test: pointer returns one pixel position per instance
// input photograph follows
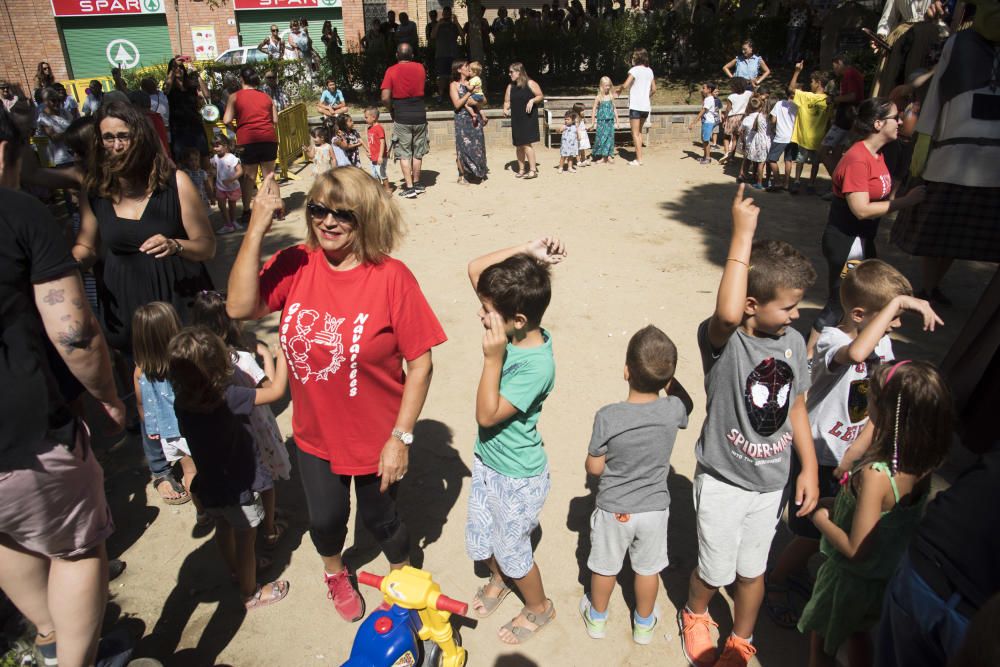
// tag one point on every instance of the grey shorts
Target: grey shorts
(806, 156)
(409, 141)
(503, 512)
(52, 498)
(735, 529)
(240, 517)
(836, 136)
(643, 535)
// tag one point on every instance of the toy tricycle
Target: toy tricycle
(415, 630)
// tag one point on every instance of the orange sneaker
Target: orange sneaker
(737, 653)
(696, 637)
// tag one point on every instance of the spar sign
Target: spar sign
(285, 4)
(106, 7)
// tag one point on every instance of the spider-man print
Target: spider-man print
(766, 395)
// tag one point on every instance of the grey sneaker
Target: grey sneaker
(408, 193)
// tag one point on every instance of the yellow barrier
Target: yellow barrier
(293, 134)
(78, 87)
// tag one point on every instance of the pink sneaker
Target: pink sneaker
(350, 605)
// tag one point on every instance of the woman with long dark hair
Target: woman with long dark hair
(520, 103)
(187, 130)
(470, 144)
(861, 187)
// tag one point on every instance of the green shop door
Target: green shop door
(96, 44)
(255, 24)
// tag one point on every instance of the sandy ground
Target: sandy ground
(645, 246)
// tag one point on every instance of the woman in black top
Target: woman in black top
(186, 128)
(520, 103)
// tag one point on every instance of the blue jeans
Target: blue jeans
(918, 628)
(158, 466)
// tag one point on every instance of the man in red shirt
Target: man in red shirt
(852, 91)
(403, 95)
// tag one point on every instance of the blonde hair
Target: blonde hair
(379, 224)
(153, 325)
(522, 75)
(600, 87)
(871, 285)
(476, 68)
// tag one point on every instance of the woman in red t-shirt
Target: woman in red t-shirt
(861, 186)
(350, 316)
(255, 116)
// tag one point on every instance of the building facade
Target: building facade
(81, 39)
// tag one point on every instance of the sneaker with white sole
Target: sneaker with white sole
(419, 189)
(643, 634)
(348, 602)
(595, 629)
(408, 193)
(697, 643)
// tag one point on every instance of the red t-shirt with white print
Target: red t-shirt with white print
(345, 335)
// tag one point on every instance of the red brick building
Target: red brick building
(85, 38)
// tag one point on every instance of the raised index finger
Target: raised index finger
(739, 194)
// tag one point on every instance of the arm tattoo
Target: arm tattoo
(77, 336)
(54, 296)
(78, 302)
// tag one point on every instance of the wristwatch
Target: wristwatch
(403, 436)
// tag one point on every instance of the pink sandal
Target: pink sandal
(279, 589)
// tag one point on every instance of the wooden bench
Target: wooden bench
(556, 108)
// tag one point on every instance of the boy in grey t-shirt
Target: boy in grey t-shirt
(755, 380)
(630, 451)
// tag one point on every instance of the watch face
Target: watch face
(407, 438)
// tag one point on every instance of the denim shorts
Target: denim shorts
(378, 170)
(635, 114)
(503, 512)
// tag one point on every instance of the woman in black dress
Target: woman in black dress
(520, 102)
(149, 219)
(470, 144)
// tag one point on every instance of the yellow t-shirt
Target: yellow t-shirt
(812, 119)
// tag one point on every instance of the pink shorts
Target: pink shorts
(52, 498)
(231, 195)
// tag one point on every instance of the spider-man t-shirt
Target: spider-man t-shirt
(751, 385)
(345, 335)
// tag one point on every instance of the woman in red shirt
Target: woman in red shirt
(255, 116)
(350, 316)
(861, 187)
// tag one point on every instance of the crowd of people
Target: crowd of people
(834, 430)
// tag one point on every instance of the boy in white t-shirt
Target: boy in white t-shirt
(874, 295)
(708, 119)
(784, 114)
(228, 172)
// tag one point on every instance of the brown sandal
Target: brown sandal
(523, 634)
(531, 174)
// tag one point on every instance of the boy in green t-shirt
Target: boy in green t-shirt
(810, 125)
(510, 475)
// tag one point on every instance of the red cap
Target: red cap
(383, 625)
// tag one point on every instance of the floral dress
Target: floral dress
(470, 143)
(604, 142)
(757, 143)
(269, 445)
(353, 154)
(570, 145)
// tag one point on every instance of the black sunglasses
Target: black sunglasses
(320, 212)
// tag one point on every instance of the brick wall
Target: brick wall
(29, 36)
(198, 13)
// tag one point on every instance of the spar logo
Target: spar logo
(123, 53)
(105, 7)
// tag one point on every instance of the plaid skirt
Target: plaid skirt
(953, 221)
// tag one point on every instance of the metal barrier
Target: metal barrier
(293, 134)
(78, 87)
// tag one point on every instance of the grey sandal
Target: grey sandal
(489, 603)
(523, 634)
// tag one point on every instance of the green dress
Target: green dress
(847, 597)
(604, 140)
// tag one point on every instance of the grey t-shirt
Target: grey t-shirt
(751, 385)
(636, 440)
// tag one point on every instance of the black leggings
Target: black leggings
(836, 248)
(328, 496)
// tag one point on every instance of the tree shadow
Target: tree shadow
(426, 495)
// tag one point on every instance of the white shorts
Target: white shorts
(643, 535)
(174, 449)
(735, 529)
(378, 169)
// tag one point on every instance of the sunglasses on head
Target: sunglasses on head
(320, 212)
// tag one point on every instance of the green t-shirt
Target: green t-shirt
(514, 447)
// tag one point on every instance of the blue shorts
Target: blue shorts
(503, 512)
(706, 131)
(378, 170)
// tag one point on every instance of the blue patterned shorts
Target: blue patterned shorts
(503, 512)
